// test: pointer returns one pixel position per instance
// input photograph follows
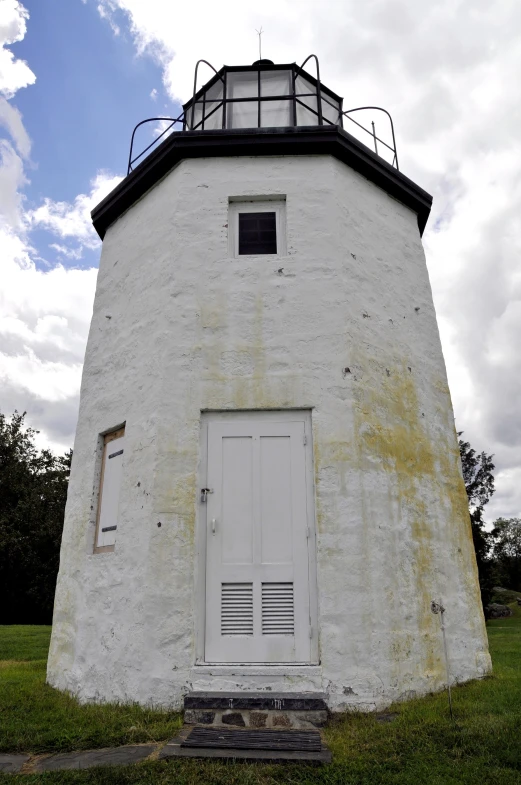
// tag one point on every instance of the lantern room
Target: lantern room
(266, 95)
(263, 95)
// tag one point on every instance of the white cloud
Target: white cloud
(163, 127)
(106, 13)
(12, 178)
(68, 220)
(68, 253)
(14, 73)
(153, 94)
(44, 322)
(11, 120)
(449, 74)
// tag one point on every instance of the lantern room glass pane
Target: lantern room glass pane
(276, 83)
(275, 114)
(306, 92)
(242, 84)
(330, 110)
(214, 93)
(195, 121)
(213, 111)
(242, 114)
(213, 118)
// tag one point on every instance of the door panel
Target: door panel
(257, 572)
(237, 500)
(275, 499)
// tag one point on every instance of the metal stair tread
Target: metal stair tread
(262, 739)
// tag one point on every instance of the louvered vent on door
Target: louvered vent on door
(277, 609)
(236, 609)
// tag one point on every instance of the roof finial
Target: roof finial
(259, 33)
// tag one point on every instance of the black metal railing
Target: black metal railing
(372, 132)
(209, 106)
(171, 120)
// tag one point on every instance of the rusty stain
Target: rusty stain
(389, 434)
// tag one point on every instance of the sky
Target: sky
(77, 75)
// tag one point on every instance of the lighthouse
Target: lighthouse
(266, 495)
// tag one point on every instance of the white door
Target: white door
(257, 572)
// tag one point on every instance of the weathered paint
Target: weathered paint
(344, 323)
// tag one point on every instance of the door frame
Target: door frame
(291, 415)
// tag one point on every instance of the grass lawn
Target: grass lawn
(36, 718)
(421, 745)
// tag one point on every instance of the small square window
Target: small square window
(257, 226)
(257, 233)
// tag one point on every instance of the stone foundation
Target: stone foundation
(247, 718)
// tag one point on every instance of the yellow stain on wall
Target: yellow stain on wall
(421, 461)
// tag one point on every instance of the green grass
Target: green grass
(37, 718)
(421, 745)
(24, 644)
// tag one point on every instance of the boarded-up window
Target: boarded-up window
(110, 484)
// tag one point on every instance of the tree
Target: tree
(479, 483)
(506, 552)
(33, 491)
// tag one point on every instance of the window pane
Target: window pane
(213, 113)
(276, 83)
(307, 113)
(243, 114)
(242, 84)
(276, 114)
(257, 233)
(330, 110)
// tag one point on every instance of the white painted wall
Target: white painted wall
(191, 328)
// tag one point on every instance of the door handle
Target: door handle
(204, 494)
(214, 525)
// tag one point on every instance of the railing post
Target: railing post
(374, 137)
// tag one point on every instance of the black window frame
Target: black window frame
(260, 237)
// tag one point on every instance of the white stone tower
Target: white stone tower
(266, 491)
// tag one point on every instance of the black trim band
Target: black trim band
(311, 140)
(109, 528)
(119, 452)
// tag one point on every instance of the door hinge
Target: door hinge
(305, 440)
(310, 631)
(307, 532)
(205, 492)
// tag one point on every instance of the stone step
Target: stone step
(273, 749)
(248, 756)
(256, 709)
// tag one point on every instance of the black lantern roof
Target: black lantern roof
(264, 109)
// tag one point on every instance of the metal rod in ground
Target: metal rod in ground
(446, 661)
(437, 607)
